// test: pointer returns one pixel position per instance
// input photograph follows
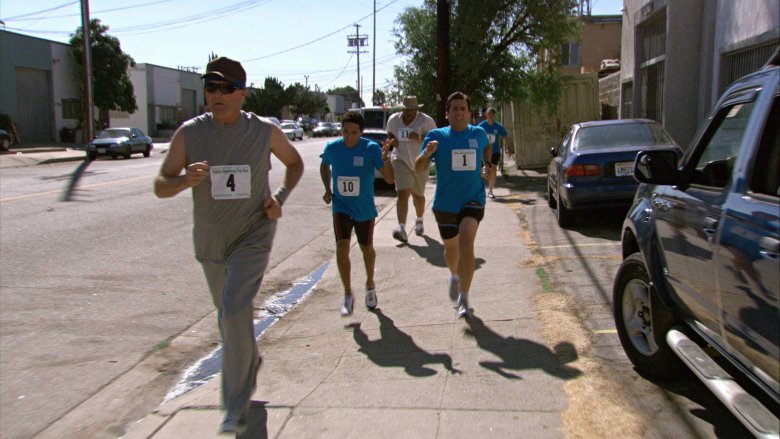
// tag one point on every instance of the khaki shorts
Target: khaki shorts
(407, 178)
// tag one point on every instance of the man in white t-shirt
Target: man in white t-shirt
(406, 130)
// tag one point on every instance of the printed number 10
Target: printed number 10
(348, 186)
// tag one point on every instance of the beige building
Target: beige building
(599, 41)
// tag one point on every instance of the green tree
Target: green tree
(111, 86)
(380, 98)
(495, 49)
(350, 95)
(304, 101)
(269, 100)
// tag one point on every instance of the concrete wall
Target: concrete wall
(65, 84)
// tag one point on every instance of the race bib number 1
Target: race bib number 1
(491, 137)
(231, 182)
(348, 186)
(464, 159)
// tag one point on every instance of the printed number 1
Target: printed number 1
(464, 160)
(231, 183)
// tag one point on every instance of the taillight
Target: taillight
(583, 170)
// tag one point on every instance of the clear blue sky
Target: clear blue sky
(295, 41)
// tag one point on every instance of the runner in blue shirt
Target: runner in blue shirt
(459, 151)
(347, 171)
(494, 131)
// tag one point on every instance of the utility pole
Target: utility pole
(442, 60)
(307, 80)
(357, 41)
(373, 64)
(85, 37)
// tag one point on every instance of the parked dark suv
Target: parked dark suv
(701, 247)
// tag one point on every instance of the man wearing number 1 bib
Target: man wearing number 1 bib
(226, 155)
(459, 201)
(347, 171)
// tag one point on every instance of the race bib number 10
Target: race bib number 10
(348, 186)
(231, 182)
(464, 159)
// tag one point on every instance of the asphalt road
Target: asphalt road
(93, 287)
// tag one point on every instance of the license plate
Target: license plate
(101, 150)
(624, 169)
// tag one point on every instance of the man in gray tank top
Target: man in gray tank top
(226, 155)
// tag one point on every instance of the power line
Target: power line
(102, 11)
(40, 12)
(317, 39)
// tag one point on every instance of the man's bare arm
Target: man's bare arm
(170, 181)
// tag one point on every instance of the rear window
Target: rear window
(616, 136)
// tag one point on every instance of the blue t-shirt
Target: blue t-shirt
(352, 173)
(494, 132)
(458, 167)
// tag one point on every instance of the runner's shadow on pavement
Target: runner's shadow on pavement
(256, 422)
(433, 252)
(517, 354)
(396, 348)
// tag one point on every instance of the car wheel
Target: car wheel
(550, 198)
(91, 156)
(564, 215)
(642, 321)
(5, 144)
(148, 151)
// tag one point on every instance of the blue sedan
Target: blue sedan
(593, 167)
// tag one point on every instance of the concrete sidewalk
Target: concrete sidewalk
(408, 369)
(39, 155)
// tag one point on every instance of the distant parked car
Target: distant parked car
(337, 125)
(593, 167)
(5, 140)
(292, 131)
(120, 141)
(274, 120)
(377, 136)
(324, 129)
(700, 277)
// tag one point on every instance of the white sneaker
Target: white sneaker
(463, 307)
(400, 234)
(490, 193)
(346, 308)
(453, 289)
(418, 227)
(371, 299)
(232, 427)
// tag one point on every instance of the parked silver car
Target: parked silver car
(292, 130)
(119, 141)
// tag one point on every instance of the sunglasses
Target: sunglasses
(224, 89)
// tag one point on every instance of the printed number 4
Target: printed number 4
(231, 183)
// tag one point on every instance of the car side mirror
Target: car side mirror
(552, 151)
(656, 167)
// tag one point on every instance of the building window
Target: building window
(570, 54)
(742, 62)
(71, 109)
(653, 91)
(627, 106)
(169, 114)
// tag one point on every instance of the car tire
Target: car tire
(642, 321)
(550, 198)
(564, 215)
(148, 151)
(91, 156)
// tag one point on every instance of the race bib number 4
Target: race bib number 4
(464, 159)
(348, 186)
(231, 182)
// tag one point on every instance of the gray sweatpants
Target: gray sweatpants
(233, 284)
